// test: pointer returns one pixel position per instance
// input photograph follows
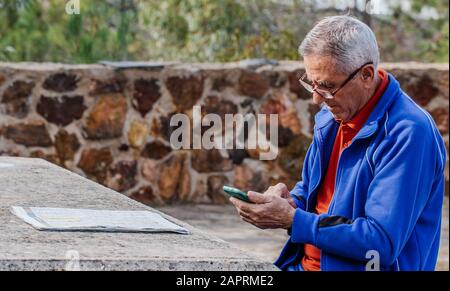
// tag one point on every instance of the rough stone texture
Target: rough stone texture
(200, 193)
(253, 84)
(122, 176)
(296, 87)
(285, 136)
(18, 90)
(16, 98)
(145, 195)
(204, 161)
(312, 109)
(28, 134)
(93, 118)
(114, 85)
(292, 157)
(214, 105)
(420, 87)
(124, 147)
(66, 145)
(185, 91)
(221, 83)
(34, 182)
(95, 162)
(155, 150)
(184, 185)
(62, 110)
(138, 133)
(107, 118)
(146, 93)
(281, 105)
(169, 177)
(289, 124)
(11, 153)
(61, 82)
(247, 177)
(215, 192)
(161, 127)
(149, 170)
(238, 155)
(440, 116)
(52, 158)
(276, 79)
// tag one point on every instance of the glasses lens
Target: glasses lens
(310, 88)
(306, 85)
(325, 94)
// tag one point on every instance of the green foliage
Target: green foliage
(197, 30)
(410, 37)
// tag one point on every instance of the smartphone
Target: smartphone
(234, 192)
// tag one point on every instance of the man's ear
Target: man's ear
(368, 75)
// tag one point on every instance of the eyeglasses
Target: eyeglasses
(325, 93)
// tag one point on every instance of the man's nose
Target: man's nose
(317, 98)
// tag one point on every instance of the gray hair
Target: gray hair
(344, 38)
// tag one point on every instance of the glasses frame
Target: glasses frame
(327, 94)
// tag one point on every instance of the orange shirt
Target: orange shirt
(346, 132)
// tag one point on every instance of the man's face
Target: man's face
(321, 71)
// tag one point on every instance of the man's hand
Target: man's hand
(269, 211)
(282, 191)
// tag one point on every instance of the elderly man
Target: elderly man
(372, 184)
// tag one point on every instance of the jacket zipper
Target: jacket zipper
(337, 180)
(319, 145)
(330, 208)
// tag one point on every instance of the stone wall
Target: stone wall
(111, 123)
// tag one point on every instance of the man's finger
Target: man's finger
(240, 205)
(282, 187)
(246, 212)
(234, 201)
(246, 217)
(258, 198)
(292, 202)
(283, 190)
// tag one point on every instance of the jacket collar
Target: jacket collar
(324, 116)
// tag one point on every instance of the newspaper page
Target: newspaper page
(69, 219)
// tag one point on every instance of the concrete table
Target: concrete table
(38, 183)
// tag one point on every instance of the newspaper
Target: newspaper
(68, 219)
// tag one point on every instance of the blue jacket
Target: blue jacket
(388, 193)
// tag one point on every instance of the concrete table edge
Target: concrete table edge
(244, 263)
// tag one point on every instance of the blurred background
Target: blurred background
(209, 30)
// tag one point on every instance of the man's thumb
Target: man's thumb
(258, 198)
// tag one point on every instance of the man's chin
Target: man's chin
(340, 117)
(338, 114)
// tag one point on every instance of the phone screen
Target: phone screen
(234, 192)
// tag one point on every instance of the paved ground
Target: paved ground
(223, 222)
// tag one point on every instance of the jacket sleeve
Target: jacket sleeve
(300, 191)
(405, 168)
